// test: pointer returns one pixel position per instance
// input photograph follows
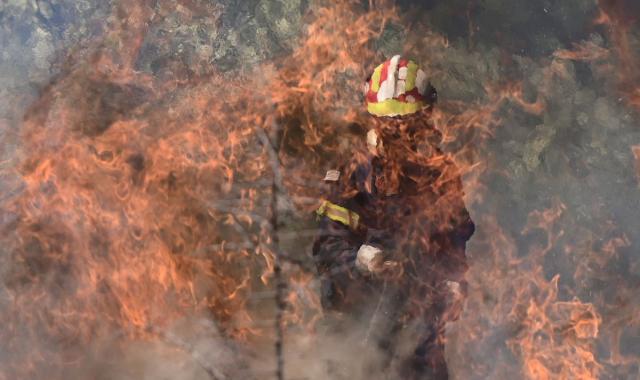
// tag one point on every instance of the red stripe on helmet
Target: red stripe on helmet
(372, 97)
(415, 93)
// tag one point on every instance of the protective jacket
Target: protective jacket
(400, 193)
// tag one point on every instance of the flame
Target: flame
(143, 200)
(620, 17)
(147, 200)
(584, 51)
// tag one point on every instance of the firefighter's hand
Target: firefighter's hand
(371, 261)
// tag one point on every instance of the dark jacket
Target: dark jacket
(410, 200)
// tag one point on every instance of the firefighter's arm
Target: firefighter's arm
(372, 255)
(369, 256)
(334, 253)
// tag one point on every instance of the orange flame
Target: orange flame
(145, 201)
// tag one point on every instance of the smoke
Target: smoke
(136, 201)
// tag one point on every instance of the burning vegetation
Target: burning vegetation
(167, 178)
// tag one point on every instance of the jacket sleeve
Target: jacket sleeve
(334, 252)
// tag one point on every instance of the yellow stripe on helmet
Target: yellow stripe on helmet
(375, 79)
(412, 73)
(393, 107)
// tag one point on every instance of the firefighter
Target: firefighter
(393, 224)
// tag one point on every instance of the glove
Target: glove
(369, 259)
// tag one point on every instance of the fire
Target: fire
(620, 17)
(135, 214)
(146, 201)
(585, 51)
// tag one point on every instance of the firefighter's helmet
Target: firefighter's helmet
(398, 87)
